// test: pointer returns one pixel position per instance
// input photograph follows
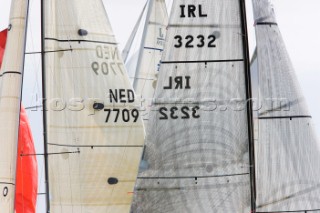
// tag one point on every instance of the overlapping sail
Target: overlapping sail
(197, 145)
(144, 73)
(10, 99)
(95, 134)
(287, 151)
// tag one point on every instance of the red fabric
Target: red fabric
(3, 39)
(27, 167)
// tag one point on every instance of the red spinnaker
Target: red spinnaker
(27, 167)
(3, 39)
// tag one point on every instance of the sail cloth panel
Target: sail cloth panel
(196, 149)
(287, 151)
(93, 126)
(153, 40)
(10, 99)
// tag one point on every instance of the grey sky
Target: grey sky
(298, 22)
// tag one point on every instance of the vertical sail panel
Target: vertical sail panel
(287, 151)
(196, 152)
(95, 135)
(146, 76)
(131, 52)
(10, 98)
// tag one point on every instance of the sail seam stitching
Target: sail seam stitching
(80, 40)
(198, 177)
(10, 72)
(202, 61)
(285, 117)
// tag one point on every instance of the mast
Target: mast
(11, 79)
(44, 107)
(249, 104)
(151, 2)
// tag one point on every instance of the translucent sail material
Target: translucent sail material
(10, 99)
(287, 151)
(197, 149)
(95, 134)
(27, 169)
(131, 51)
(152, 44)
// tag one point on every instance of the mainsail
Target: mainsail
(197, 145)
(10, 99)
(94, 132)
(287, 151)
(144, 73)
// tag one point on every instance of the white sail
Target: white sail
(10, 99)
(148, 64)
(127, 49)
(131, 51)
(287, 151)
(197, 151)
(95, 134)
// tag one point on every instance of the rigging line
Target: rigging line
(153, 48)
(80, 40)
(292, 211)
(194, 177)
(97, 146)
(6, 183)
(266, 23)
(205, 25)
(285, 117)
(33, 107)
(54, 153)
(41, 194)
(52, 51)
(202, 61)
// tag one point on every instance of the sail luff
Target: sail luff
(249, 100)
(44, 105)
(11, 77)
(129, 43)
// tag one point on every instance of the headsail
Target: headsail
(197, 145)
(10, 98)
(152, 44)
(287, 151)
(93, 127)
